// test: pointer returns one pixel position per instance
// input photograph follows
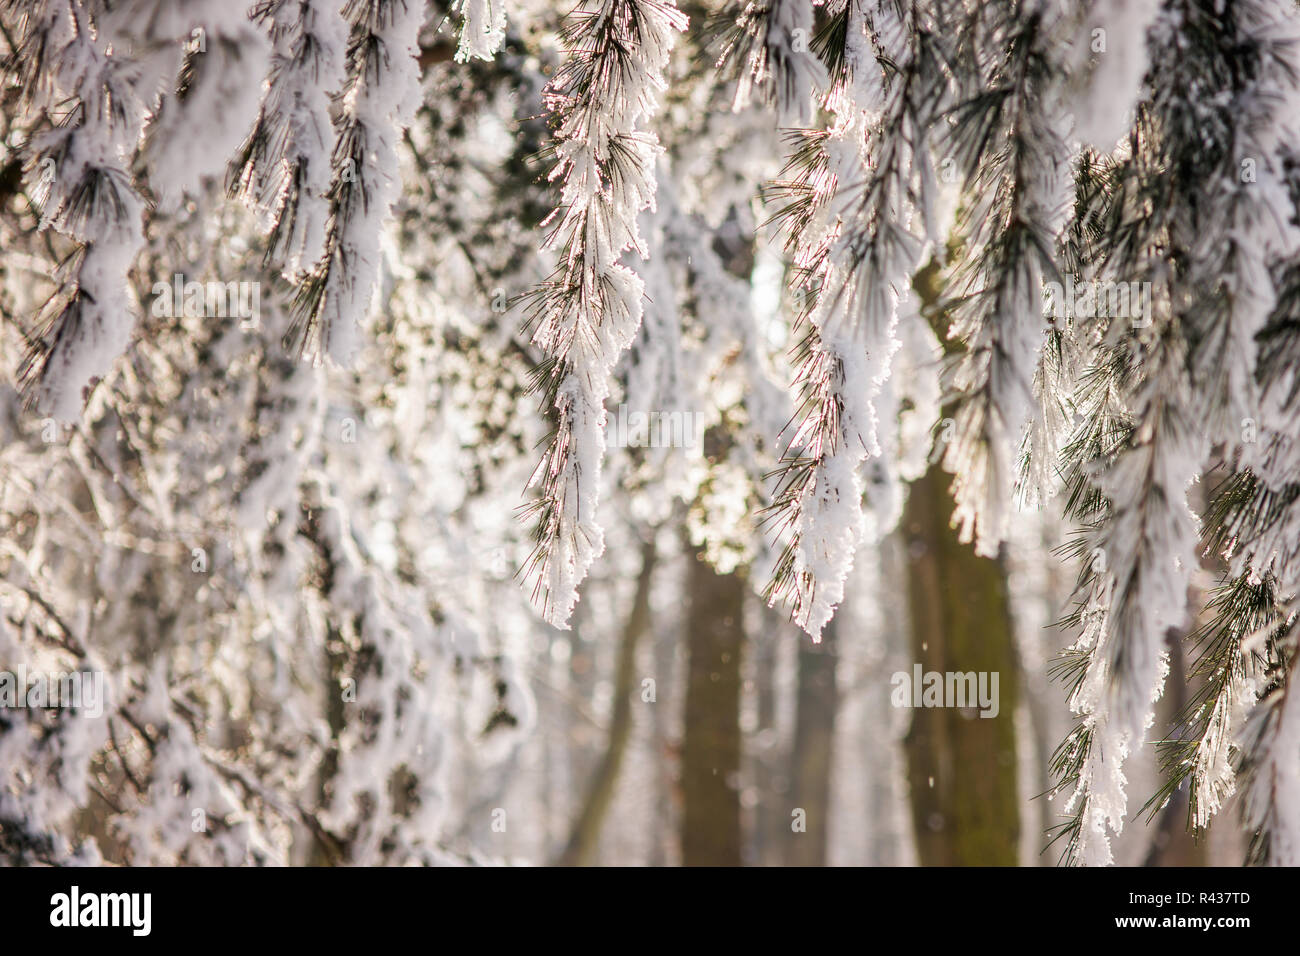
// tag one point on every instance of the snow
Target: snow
(484, 28)
(300, 578)
(606, 167)
(1104, 111)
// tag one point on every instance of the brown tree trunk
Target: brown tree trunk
(711, 745)
(961, 766)
(767, 761)
(812, 754)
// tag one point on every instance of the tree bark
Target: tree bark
(711, 745)
(961, 766)
(812, 754)
(768, 763)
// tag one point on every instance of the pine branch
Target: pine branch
(851, 207)
(586, 313)
(379, 100)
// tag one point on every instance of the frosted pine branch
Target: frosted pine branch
(586, 313)
(1008, 144)
(858, 246)
(771, 46)
(1271, 764)
(1204, 752)
(1277, 460)
(1141, 557)
(1245, 231)
(85, 193)
(483, 29)
(382, 93)
(196, 127)
(1194, 391)
(1114, 34)
(284, 167)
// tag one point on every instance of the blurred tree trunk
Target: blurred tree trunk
(812, 753)
(584, 836)
(961, 766)
(663, 746)
(711, 744)
(715, 638)
(767, 760)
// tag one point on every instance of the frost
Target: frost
(590, 308)
(483, 30)
(1115, 34)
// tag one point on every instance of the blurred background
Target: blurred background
(304, 580)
